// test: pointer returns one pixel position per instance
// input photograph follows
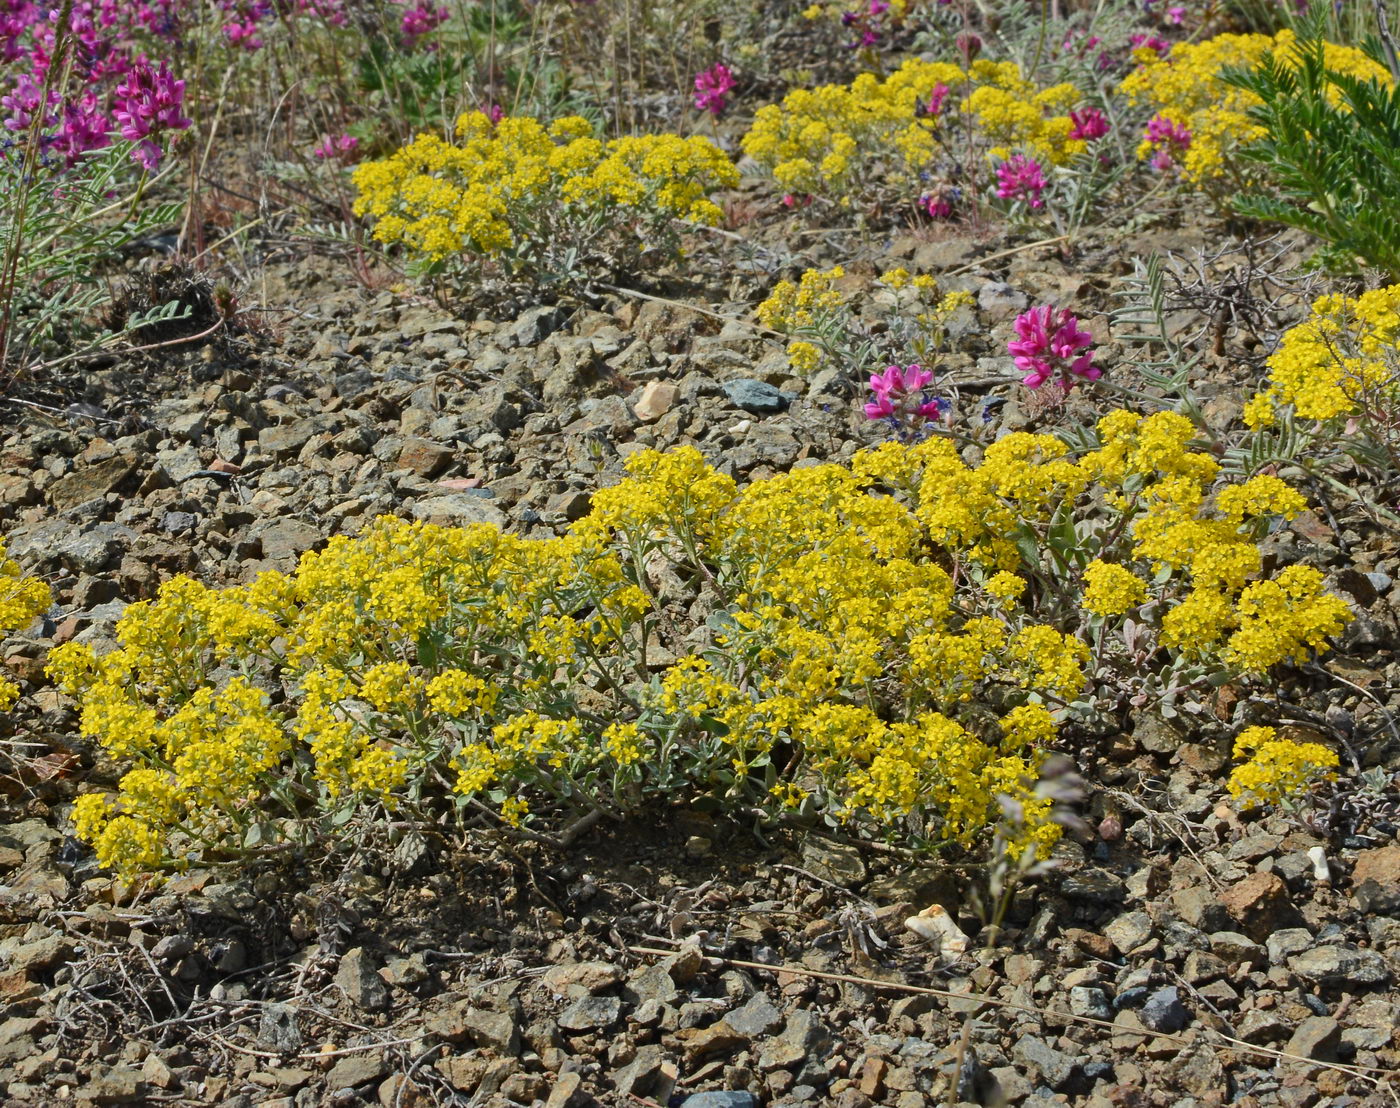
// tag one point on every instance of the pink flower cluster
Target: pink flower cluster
(1089, 124)
(113, 88)
(899, 396)
(419, 19)
(146, 105)
(1050, 341)
(711, 87)
(934, 108)
(1170, 138)
(339, 149)
(1021, 178)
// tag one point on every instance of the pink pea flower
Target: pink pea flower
(936, 98)
(1050, 341)
(899, 395)
(1021, 178)
(937, 205)
(339, 148)
(419, 20)
(1170, 138)
(711, 87)
(1152, 42)
(1176, 15)
(1089, 124)
(147, 104)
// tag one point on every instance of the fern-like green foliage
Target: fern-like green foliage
(1332, 152)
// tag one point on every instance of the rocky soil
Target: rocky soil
(1181, 955)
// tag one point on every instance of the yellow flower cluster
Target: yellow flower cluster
(840, 140)
(1111, 590)
(507, 189)
(790, 307)
(816, 311)
(860, 619)
(1337, 363)
(1276, 769)
(1185, 88)
(21, 599)
(897, 12)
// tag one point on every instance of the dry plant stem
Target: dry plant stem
(1005, 254)
(1392, 55)
(1376, 1075)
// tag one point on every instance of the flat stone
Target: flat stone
(1163, 1010)
(656, 400)
(360, 981)
(1341, 964)
(757, 1017)
(91, 482)
(285, 540)
(1260, 902)
(720, 1100)
(354, 1070)
(755, 396)
(1316, 1037)
(1055, 1067)
(425, 457)
(459, 510)
(587, 977)
(1375, 880)
(1129, 931)
(591, 1013)
(720, 1037)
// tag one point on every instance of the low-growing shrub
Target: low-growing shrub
(891, 139)
(541, 204)
(887, 648)
(1275, 770)
(826, 331)
(1204, 123)
(1332, 402)
(21, 599)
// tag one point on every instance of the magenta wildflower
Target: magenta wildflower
(711, 87)
(1176, 15)
(421, 19)
(339, 148)
(1089, 124)
(936, 98)
(1051, 341)
(937, 205)
(147, 104)
(1021, 178)
(1152, 42)
(899, 395)
(1170, 138)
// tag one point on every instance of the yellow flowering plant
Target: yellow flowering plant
(22, 598)
(535, 202)
(879, 142)
(1332, 401)
(1203, 123)
(1276, 770)
(887, 647)
(827, 332)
